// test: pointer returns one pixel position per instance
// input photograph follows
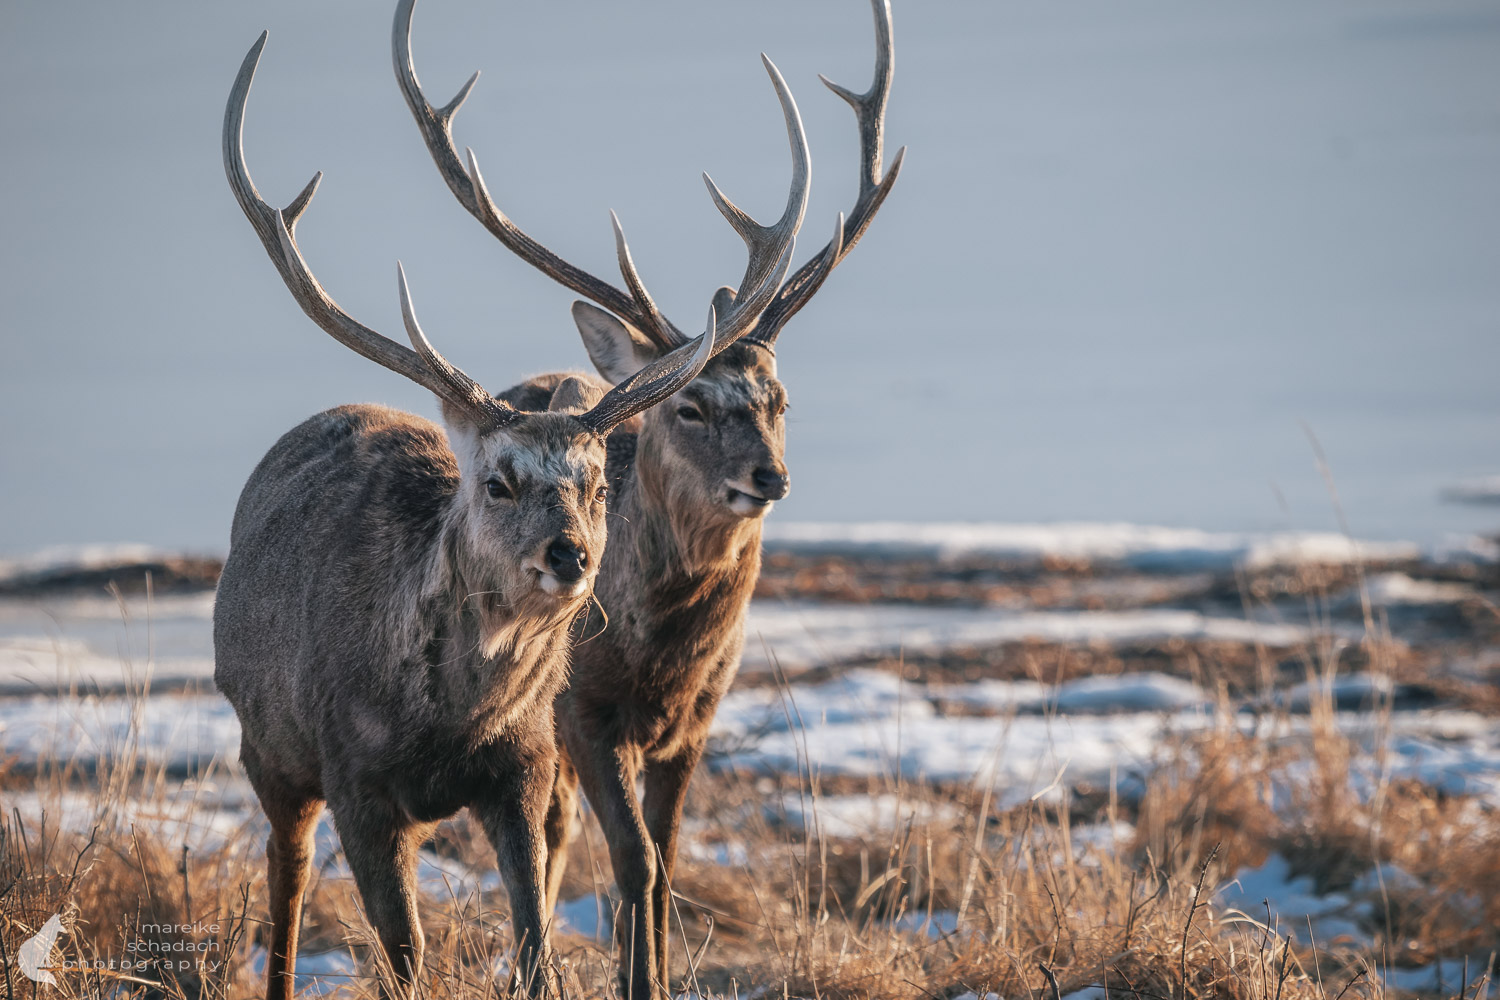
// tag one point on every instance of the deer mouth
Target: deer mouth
(553, 585)
(745, 502)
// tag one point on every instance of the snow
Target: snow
(1144, 692)
(803, 634)
(318, 972)
(1344, 691)
(100, 643)
(1143, 546)
(870, 723)
(80, 557)
(1138, 692)
(1390, 589)
(1293, 902)
(1445, 975)
(590, 916)
(860, 816)
(177, 731)
(865, 723)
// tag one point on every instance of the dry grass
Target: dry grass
(951, 895)
(955, 896)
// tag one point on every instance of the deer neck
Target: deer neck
(678, 535)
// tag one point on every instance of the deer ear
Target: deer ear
(575, 394)
(616, 348)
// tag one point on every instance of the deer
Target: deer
(394, 618)
(692, 480)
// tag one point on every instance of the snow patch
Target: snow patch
(80, 557)
(1391, 589)
(804, 634)
(1143, 546)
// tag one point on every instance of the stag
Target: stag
(393, 622)
(691, 482)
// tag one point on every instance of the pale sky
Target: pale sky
(1134, 248)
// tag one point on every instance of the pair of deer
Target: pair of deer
(395, 622)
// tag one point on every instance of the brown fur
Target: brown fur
(648, 676)
(389, 652)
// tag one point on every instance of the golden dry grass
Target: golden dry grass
(952, 895)
(956, 896)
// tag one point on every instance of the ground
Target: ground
(953, 765)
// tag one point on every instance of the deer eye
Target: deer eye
(497, 490)
(690, 414)
(601, 494)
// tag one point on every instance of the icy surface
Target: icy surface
(1343, 691)
(801, 634)
(1138, 545)
(869, 723)
(590, 916)
(99, 643)
(1292, 901)
(1144, 692)
(176, 730)
(318, 972)
(1388, 589)
(65, 557)
(860, 815)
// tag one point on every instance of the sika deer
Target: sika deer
(690, 490)
(392, 623)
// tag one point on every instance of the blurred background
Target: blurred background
(1134, 249)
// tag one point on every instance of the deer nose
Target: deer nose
(566, 559)
(772, 484)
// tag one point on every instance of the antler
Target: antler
(425, 366)
(770, 247)
(277, 230)
(869, 109)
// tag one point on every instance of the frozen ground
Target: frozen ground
(136, 683)
(58, 641)
(1133, 544)
(1030, 740)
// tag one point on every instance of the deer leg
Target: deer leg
(380, 845)
(289, 853)
(607, 775)
(666, 788)
(559, 827)
(513, 811)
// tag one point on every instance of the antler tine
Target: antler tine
(635, 306)
(276, 230)
(653, 383)
(655, 326)
(766, 244)
(869, 109)
(436, 125)
(460, 385)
